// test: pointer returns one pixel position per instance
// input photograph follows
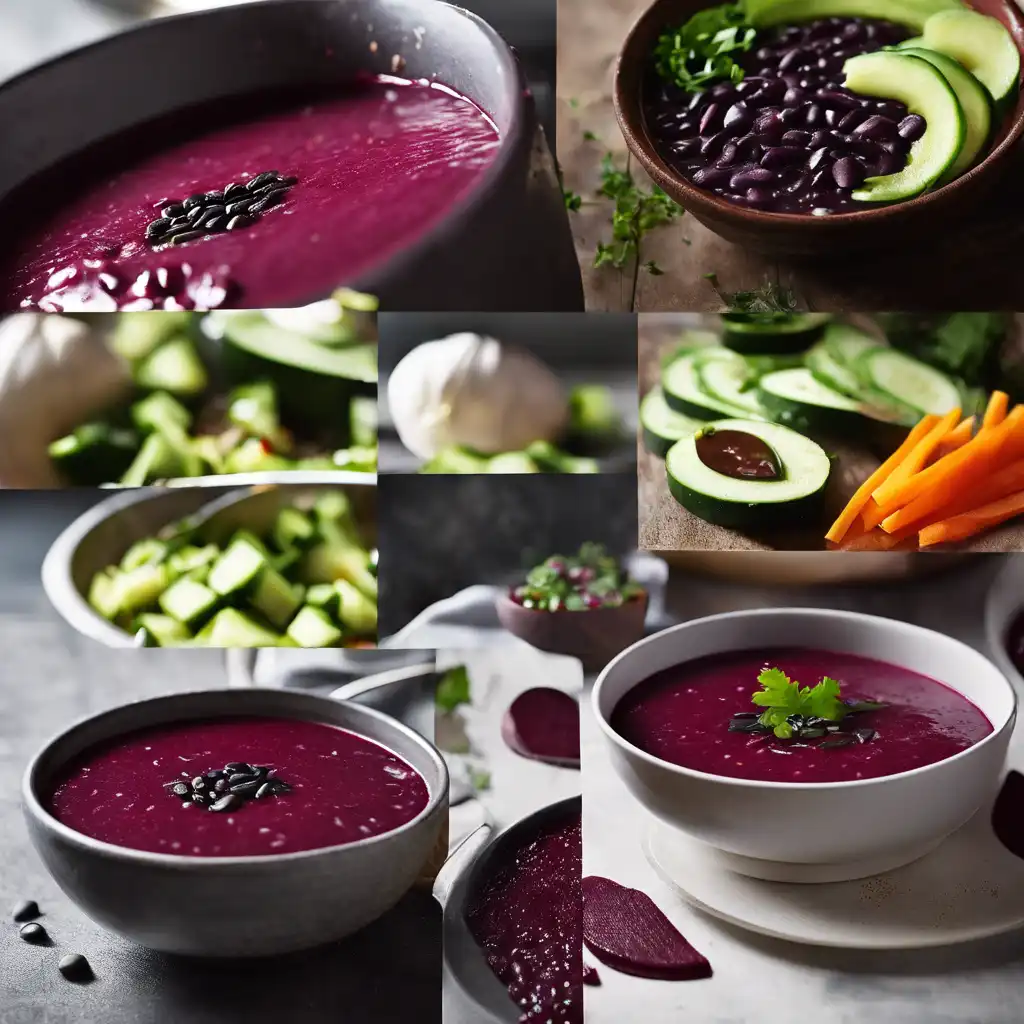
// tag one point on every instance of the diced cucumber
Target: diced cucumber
(236, 569)
(103, 596)
(662, 426)
(908, 381)
(326, 563)
(362, 413)
(191, 558)
(981, 44)
(252, 457)
(333, 506)
(274, 598)
(164, 630)
(250, 538)
(189, 602)
(144, 551)
(232, 628)
(513, 462)
(174, 366)
(455, 461)
(253, 408)
(293, 528)
(355, 610)
(286, 560)
(94, 453)
(312, 628)
(324, 596)
(136, 590)
(158, 459)
(158, 410)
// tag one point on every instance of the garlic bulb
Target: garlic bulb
(475, 392)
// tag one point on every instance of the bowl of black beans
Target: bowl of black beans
(821, 126)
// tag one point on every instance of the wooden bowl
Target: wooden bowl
(803, 234)
(593, 637)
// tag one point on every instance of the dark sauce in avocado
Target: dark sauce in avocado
(737, 454)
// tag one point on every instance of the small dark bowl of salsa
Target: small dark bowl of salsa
(806, 736)
(236, 822)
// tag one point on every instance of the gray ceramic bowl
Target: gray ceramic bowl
(100, 536)
(235, 906)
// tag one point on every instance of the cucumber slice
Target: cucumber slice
(662, 426)
(237, 568)
(174, 366)
(189, 602)
(515, 462)
(689, 343)
(293, 529)
(908, 381)
(103, 596)
(757, 336)
(753, 504)
(232, 628)
(136, 590)
(730, 381)
(913, 13)
(143, 552)
(165, 631)
(313, 628)
(981, 44)
(893, 75)
(355, 610)
(797, 399)
(827, 370)
(680, 383)
(847, 344)
(976, 104)
(274, 598)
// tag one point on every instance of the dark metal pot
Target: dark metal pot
(507, 246)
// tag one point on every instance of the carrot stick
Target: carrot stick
(863, 493)
(955, 439)
(995, 411)
(963, 526)
(913, 463)
(933, 487)
(876, 540)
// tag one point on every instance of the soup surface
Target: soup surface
(369, 171)
(682, 715)
(340, 788)
(528, 919)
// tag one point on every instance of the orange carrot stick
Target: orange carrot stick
(913, 463)
(863, 493)
(955, 439)
(967, 525)
(938, 484)
(995, 411)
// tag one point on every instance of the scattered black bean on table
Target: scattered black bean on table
(75, 967)
(33, 932)
(788, 138)
(232, 208)
(227, 788)
(26, 910)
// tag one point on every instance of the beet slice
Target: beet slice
(590, 975)
(544, 725)
(624, 929)
(1008, 814)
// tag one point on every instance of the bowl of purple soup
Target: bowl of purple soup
(805, 744)
(815, 131)
(233, 823)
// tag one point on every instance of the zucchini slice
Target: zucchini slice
(908, 382)
(799, 400)
(661, 426)
(730, 381)
(680, 382)
(794, 499)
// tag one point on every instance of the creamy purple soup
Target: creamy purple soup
(341, 788)
(682, 716)
(371, 170)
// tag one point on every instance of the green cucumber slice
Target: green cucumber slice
(975, 102)
(913, 13)
(680, 383)
(847, 344)
(661, 426)
(165, 631)
(827, 370)
(908, 381)
(750, 335)
(981, 44)
(797, 399)
(752, 504)
(237, 568)
(689, 343)
(313, 628)
(174, 366)
(730, 381)
(893, 75)
(232, 628)
(189, 602)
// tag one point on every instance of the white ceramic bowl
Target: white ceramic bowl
(831, 830)
(1005, 602)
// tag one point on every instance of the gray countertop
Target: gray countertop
(773, 982)
(50, 676)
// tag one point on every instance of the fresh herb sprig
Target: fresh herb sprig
(703, 51)
(770, 302)
(587, 580)
(453, 689)
(637, 211)
(795, 712)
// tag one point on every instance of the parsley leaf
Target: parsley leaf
(453, 689)
(785, 700)
(700, 51)
(572, 201)
(637, 211)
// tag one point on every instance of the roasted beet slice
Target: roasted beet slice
(1008, 814)
(544, 724)
(624, 929)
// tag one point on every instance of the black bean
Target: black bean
(737, 112)
(158, 227)
(713, 145)
(686, 147)
(234, 189)
(198, 783)
(712, 177)
(269, 200)
(179, 224)
(748, 149)
(848, 172)
(791, 115)
(261, 179)
(887, 164)
(225, 803)
(710, 118)
(239, 222)
(781, 156)
(267, 789)
(33, 932)
(794, 96)
(215, 224)
(799, 184)
(759, 196)
(237, 766)
(242, 206)
(814, 116)
(198, 798)
(877, 128)
(850, 120)
(245, 787)
(832, 118)
(25, 910)
(837, 100)
(195, 215)
(893, 111)
(220, 785)
(819, 158)
(912, 127)
(210, 215)
(727, 156)
(75, 967)
(796, 138)
(771, 92)
(173, 210)
(214, 197)
(289, 181)
(749, 177)
(193, 201)
(244, 776)
(768, 126)
(791, 59)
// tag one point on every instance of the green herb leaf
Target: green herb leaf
(572, 201)
(590, 137)
(788, 704)
(479, 779)
(453, 689)
(700, 52)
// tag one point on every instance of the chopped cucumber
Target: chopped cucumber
(165, 631)
(143, 552)
(512, 462)
(313, 628)
(158, 411)
(363, 421)
(293, 528)
(275, 598)
(661, 426)
(189, 602)
(232, 628)
(103, 597)
(908, 381)
(981, 44)
(355, 610)
(92, 452)
(174, 366)
(134, 591)
(237, 568)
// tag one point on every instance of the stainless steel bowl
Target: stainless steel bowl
(101, 536)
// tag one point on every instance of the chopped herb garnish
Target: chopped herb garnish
(702, 51)
(453, 689)
(479, 779)
(590, 579)
(771, 301)
(589, 136)
(572, 201)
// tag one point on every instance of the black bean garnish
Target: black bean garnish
(267, 789)
(186, 236)
(261, 179)
(180, 789)
(225, 803)
(234, 189)
(193, 202)
(236, 766)
(26, 910)
(34, 933)
(240, 206)
(245, 787)
(75, 967)
(157, 227)
(173, 210)
(240, 221)
(220, 786)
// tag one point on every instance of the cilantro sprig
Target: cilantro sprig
(703, 50)
(453, 689)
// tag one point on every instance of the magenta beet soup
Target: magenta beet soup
(237, 787)
(270, 203)
(818, 716)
